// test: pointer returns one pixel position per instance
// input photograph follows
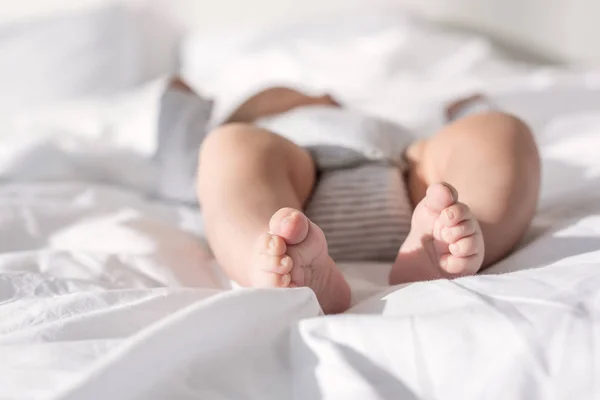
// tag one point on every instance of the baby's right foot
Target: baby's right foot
(294, 253)
(445, 240)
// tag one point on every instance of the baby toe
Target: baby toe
(290, 224)
(275, 264)
(465, 247)
(455, 214)
(451, 234)
(267, 279)
(460, 266)
(440, 196)
(271, 245)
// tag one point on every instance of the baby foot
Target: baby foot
(294, 253)
(445, 240)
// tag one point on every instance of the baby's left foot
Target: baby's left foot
(445, 240)
(294, 253)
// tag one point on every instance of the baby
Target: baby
(263, 197)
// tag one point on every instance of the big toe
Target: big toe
(289, 224)
(440, 196)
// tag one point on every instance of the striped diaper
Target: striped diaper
(364, 211)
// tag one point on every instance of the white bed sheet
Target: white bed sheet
(106, 292)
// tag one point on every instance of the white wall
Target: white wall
(563, 29)
(215, 14)
(566, 29)
(21, 9)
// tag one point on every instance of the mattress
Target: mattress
(108, 290)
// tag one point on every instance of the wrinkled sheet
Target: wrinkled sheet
(109, 292)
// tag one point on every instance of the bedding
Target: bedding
(95, 49)
(108, 289)
(375, 48)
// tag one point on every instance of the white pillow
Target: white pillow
(84, 52)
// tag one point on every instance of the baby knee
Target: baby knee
(223, 136)
(504, 130)
(524, 142)
(226, 142)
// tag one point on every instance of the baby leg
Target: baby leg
(492, 161)
(251, 186)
